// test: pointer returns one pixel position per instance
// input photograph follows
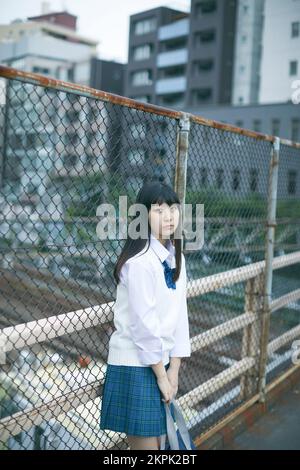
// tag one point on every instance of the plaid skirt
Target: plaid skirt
(132, 401)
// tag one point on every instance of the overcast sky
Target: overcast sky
(106, 21)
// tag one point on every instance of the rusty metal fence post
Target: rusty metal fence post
(268, 272)
(251, 336)
(182, 145)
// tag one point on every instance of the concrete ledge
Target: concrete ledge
(243, 417)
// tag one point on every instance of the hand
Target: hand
(165, 388)
(173, 379)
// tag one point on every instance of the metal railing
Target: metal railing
(66, 148)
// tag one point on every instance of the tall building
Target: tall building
(50, 45)
(177, 59)
(65, 138)
(248, 52)
(280, 65)
(211, 52)
(219, 61)
(157, 55)
(42, 134)
(108, 75)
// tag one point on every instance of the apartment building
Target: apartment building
(209, 62)
(177, 59)
(248, 52)
(280, 63)
(56, 133)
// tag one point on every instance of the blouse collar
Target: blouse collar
(163, 252)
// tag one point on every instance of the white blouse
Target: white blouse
(151, 319)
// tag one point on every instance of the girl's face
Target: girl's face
(164, 219)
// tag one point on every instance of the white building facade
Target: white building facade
(280, 66)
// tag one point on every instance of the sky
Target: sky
(106, 21)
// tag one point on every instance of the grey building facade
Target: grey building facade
(211, 51)
(187, 62)
(280, 119)
(108, 76)
(180, 59)
(144, 48)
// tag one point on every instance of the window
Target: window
(70, 74)
(292, 182)
(275, 130)
(142, 52)
(244, 39)
(142, 78)
(201, 95)
(206, 36)
(241, 99)
(242, 68)
(295, 29)
(175, 71)
(295, 128)
(257, 125)
(205, 7)
(173, 44)
(245, 9)
(202, 66)
(145, 26)
(219, 177)
(239, 123)
(143, 98)
(41, 70)
(189, 176)
(236, 179)
(253, 182)
(293, 67)
(203, 176)
(173, 99)
(136, 157)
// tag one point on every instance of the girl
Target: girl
(151, 321)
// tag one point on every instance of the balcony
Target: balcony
(170, 85)
(177, 57)
(174, 30)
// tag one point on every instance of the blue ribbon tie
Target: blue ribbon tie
(169, 275)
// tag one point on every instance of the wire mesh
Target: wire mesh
(64, 153)
(287, 240)
(228, 173)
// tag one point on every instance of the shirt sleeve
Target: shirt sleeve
(182, 346)
(144, 320)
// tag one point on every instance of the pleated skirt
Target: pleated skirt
(132, 401)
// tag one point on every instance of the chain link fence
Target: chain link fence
(286, 280)
(65, 149)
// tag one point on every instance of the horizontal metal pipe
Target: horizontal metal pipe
(83, 90)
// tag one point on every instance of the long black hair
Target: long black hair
(155, 192)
